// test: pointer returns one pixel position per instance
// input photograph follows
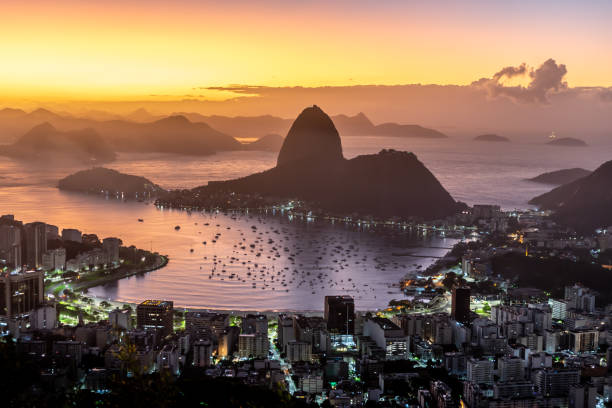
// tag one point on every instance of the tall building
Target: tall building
(511, 369)
(460, 310)
(340, 314)
(200, 324)
(253, 345)
(155, 314)
(555, 382)
(298, 351)
(54, 259)
(255, 324)
(202, 351)
(69, 234)
(21, 293)
(480, 371)
(36, 243)
(10, 245)
(111, 249)
(120, 318)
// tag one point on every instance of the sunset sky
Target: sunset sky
(160, 50)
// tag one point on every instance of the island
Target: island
(567, 142)
(583, 204)
(100, 180)
(271, 142)
(491, 138)
(560, 177)
(311, 168)
(45, 143)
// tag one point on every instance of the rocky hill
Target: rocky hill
(102, 180)
(584, 204)
(311, 168)
(560, 177)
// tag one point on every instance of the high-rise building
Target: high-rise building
(155, 314)
(20, 293)
(10, 245)
(555, 382)
(511, 369)
(120, 318)
(583, 340)
(460, 310)
(340, 314)
(255, 324)
(69, 234)
(202, 351)
(253, 345)
(111, 249)
(200, 324)
(298, 351)
(480, 371)
(36, 243)
(54, 259)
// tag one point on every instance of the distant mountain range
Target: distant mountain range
(311, 167)
(45, 143)
(584, 204)
(124, 132)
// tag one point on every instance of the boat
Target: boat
(178, 227)
(140, 220)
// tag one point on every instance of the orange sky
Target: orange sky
(133, 50)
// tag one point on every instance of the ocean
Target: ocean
(273, 263)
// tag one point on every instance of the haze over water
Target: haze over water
(472, 172)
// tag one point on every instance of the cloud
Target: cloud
(546, 78)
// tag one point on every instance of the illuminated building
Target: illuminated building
(20, 293)
(155, 314)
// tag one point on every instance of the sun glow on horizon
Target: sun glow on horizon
(168, 50)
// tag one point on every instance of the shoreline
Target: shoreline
(163, 261)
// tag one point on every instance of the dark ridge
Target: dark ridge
(583, 204)
(560, 177)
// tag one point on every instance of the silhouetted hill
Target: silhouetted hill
(173, 134)
(244, 126)
(271, 143)
(358, 125)
(491, 138)
(568, 142)
(583, 204)
(560, 176)
(44, 142)
(311, 168)
(312, 136)
(411, 131)
(102, 179)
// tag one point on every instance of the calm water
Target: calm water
(292, 264)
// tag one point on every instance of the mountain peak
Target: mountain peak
(312, 136)
(174, 120)
(44, 127)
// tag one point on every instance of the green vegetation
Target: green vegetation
(553, 274)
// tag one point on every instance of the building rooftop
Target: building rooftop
(150, 302)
